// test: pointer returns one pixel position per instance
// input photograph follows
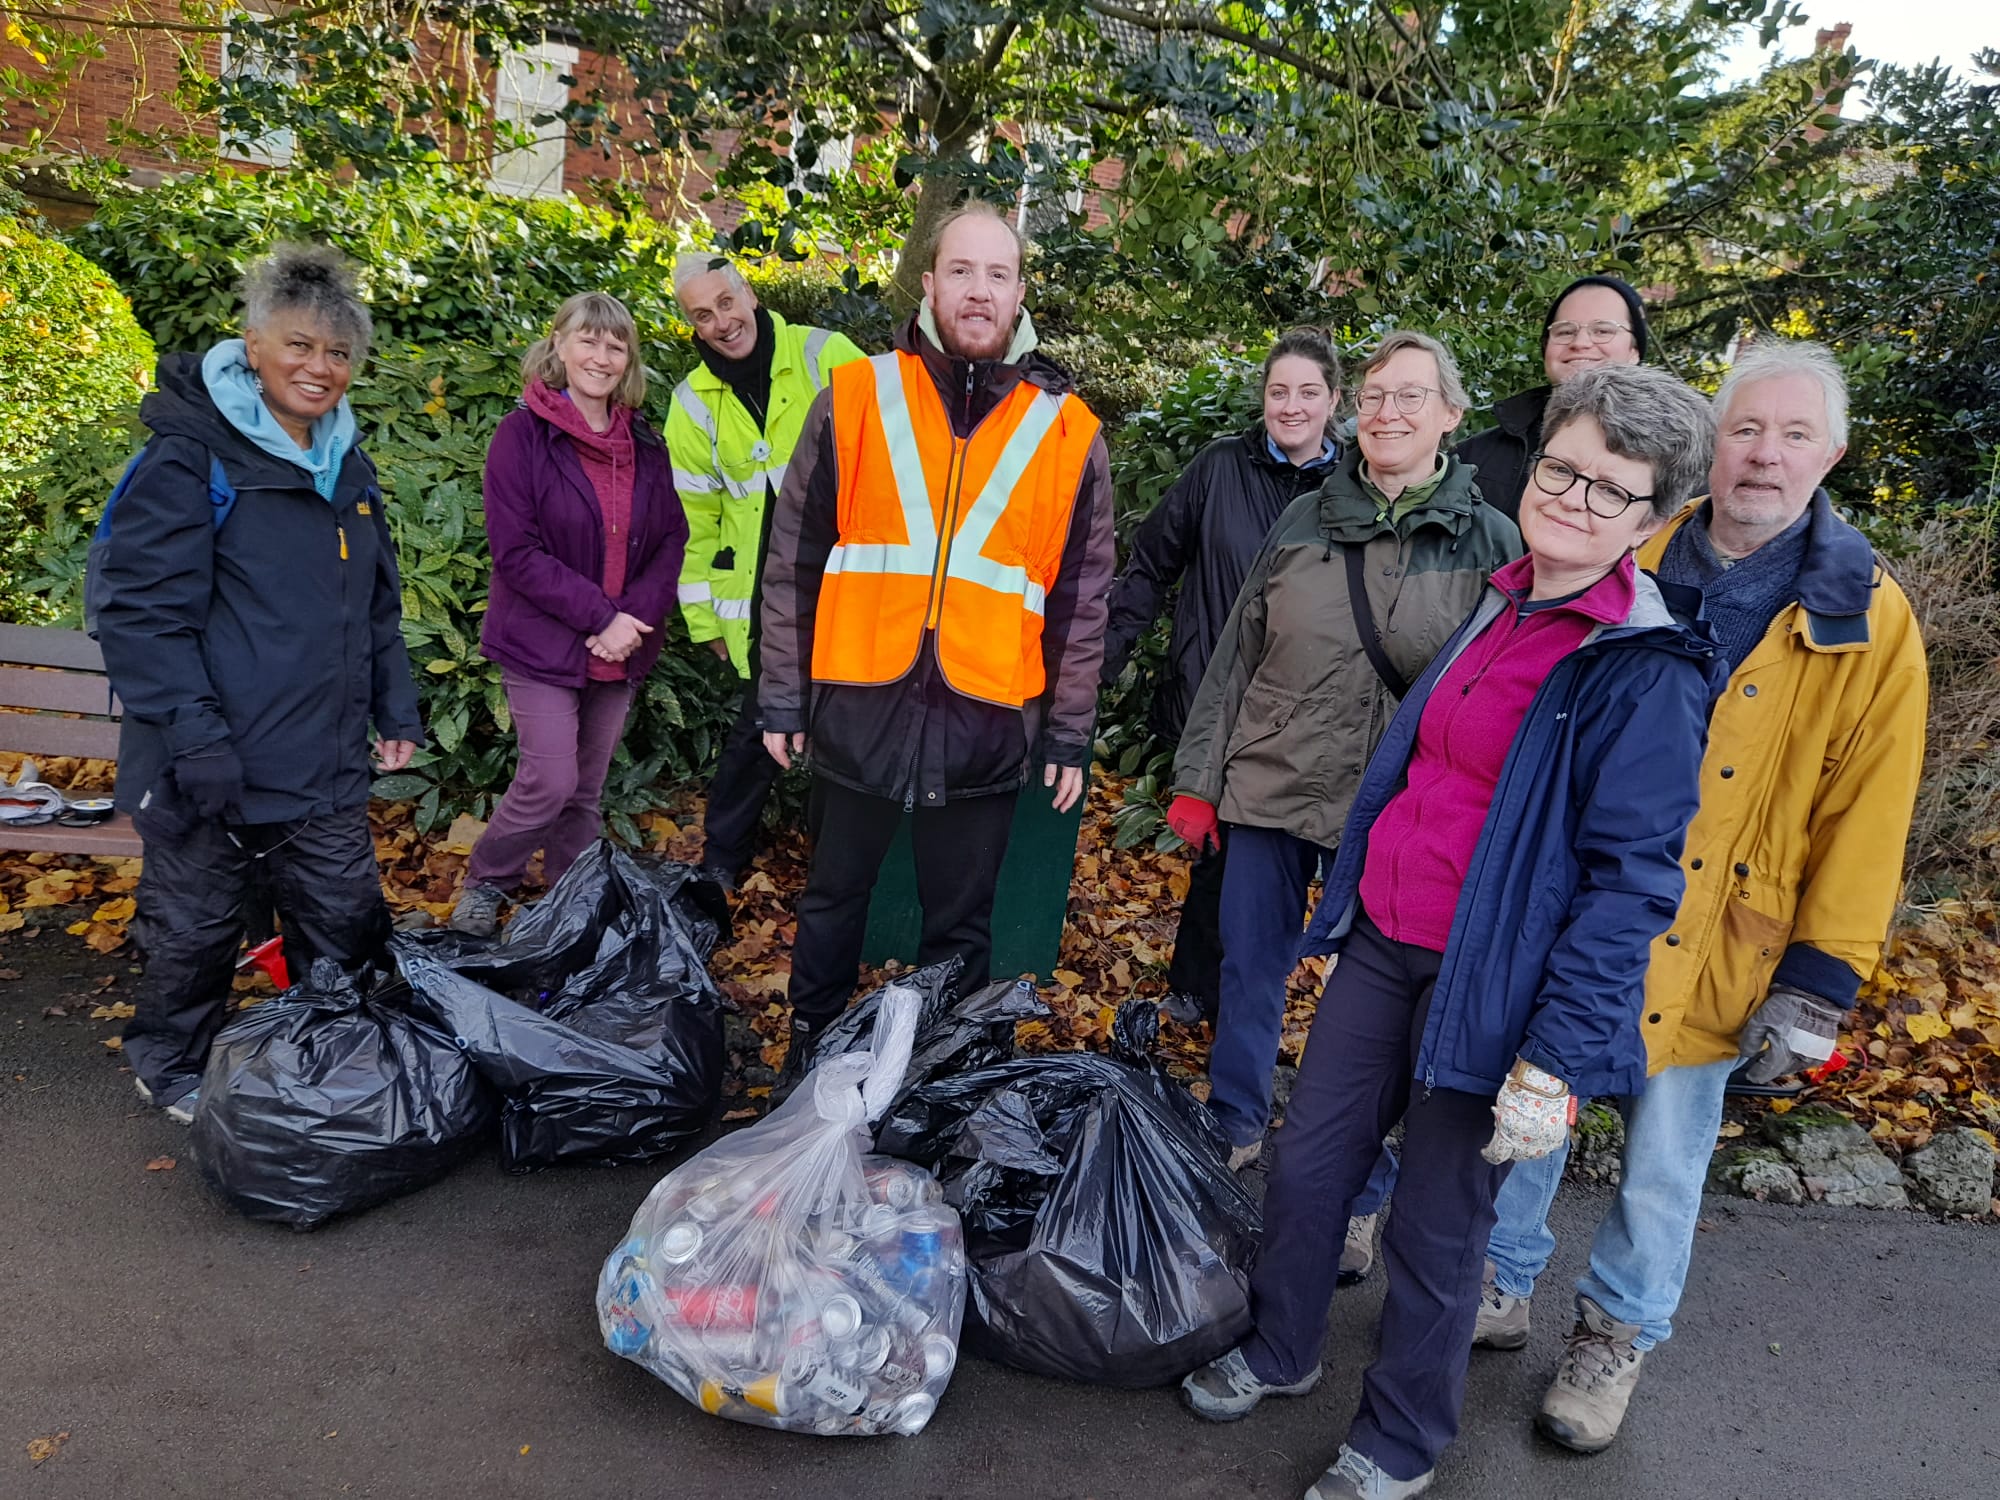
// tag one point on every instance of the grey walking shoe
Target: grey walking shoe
(1354, 1476)
(1593, 1385)
(1503, 1318)
(1184, 1008)
(478, 910)
(1357, 1254)
(1246, 1155)
(1225, 1390)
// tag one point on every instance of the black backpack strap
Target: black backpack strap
(1364, 622)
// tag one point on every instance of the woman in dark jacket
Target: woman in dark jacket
(1202, 536)
(1512, 853)
(587, 535)
(246, 598)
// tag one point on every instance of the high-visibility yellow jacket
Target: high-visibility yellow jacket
(722, 464)
(1795, 859)
(961, 536)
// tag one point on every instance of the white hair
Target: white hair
(1780, 357)
(692, 263)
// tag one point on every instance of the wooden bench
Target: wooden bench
(58, 676)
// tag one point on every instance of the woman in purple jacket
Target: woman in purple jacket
(587, 535)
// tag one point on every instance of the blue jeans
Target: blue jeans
(1639, 1258)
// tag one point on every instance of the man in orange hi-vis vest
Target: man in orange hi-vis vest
(933, 611)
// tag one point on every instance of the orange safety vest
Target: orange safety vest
(1002, 501)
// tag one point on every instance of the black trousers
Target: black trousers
(958, 848)
(1196, 967)
(189, 922)
(741, 785)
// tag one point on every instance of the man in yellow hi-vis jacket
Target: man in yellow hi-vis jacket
(731, 431)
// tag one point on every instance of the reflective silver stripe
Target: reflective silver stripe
(732, 609)
(693, 593)
(977, 527)
(1036, 598)
(687, 482)
(696, 408)
(815, 341)
(913, 492)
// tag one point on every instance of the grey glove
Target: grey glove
(1791, 1032)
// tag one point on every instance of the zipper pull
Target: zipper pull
(343, 541)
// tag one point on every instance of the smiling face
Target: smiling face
(1772, 449)
(723, 312)
(1297, 402)
(1563, 358)
(1567, 539)
(1396, 442)
(974, 286)
(304, 366)
(593, 362)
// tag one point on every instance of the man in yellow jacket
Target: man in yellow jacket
(1793, 863)
(933, 612)
(730, 432)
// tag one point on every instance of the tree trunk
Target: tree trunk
(956, 134)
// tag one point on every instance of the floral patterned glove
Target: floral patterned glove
(1531, 1117)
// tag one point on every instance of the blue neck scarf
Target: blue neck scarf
(225, 370)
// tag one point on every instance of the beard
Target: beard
(974, 341)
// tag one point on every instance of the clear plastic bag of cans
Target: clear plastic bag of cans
(785, 1278)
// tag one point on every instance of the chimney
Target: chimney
(1832, 38)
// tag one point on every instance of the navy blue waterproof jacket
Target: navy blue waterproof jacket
(1577, 868)
(281, 633)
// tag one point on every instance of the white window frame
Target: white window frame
(836, 156)
(528, 82)
(242, 58)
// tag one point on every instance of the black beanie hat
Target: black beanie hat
(1633, 306)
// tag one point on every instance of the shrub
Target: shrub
(71, 353)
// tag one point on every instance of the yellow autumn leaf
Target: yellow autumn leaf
(12, 921)
(1068, 977)
(120, 910)
(1925, 1027)
(77, 929)
(118, 1010)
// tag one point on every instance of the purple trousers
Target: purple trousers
(555, 803)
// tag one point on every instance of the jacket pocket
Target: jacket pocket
(1265, 711)
(1751, 939)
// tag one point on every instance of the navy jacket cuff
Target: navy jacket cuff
(1804, 967)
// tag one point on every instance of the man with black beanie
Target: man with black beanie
(1597, 320)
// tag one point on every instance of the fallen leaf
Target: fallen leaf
(161, 1164)
(12, 921)
(524, 1449)
(117, 1010)
(1925, 1027)
(113, 1043)
(42, 1449)
(10, 973)
(734, 1114)
(53, 1012)
(120, 910)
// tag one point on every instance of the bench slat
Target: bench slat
(40, 646)
(43, 734)
(115, 838)
(64, 692)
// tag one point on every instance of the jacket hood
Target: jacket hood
(1022, 361)
(1348, 513)
(234, 388)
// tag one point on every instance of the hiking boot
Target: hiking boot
(478, 910)
(1357, 1255)
(1354, 1476)
(798, 1055)
(1184, 1008)
(1503, 1319)
(1594, 1382)
(1247, 1155)
(1224, 1390)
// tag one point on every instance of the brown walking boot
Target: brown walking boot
(1593, 1385)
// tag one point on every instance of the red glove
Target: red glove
(1194, 820)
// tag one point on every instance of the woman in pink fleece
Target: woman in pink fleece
(587, 535)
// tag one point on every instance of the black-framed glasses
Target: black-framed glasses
(1603, 331)
(1409, 399)
(1602, 498)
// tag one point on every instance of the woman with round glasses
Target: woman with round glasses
(1511, 853)
(1358, 585)
(1593, 322)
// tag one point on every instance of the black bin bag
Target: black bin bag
(334, 1097)
(594, 1015)
(954, 1035)
(1106, 1239)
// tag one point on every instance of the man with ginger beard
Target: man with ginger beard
(933, 612)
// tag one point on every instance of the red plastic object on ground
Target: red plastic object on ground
(1828, 1068)
(268, 956)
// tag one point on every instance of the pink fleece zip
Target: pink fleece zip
(1421, 847)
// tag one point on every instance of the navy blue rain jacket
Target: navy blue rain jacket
(1577, 868)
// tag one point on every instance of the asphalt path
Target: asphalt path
(445, 1345)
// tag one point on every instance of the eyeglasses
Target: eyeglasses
(1602, 332)
(1554, 477)
(1409, 400)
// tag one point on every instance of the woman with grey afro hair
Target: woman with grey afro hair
(244, 588)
